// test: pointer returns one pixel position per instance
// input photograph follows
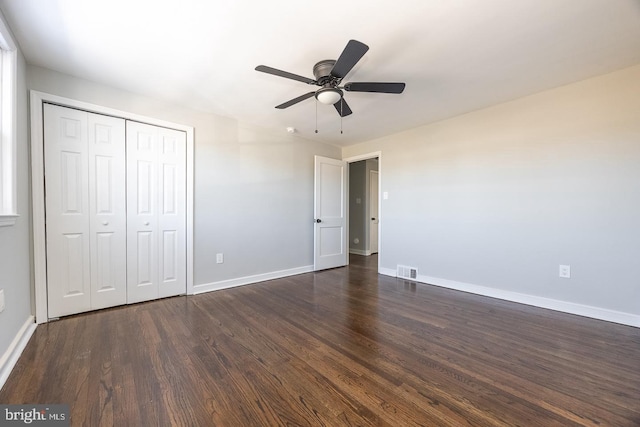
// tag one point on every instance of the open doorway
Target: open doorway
(363, 206)
(333, 201)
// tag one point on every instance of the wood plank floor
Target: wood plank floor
(340, 347)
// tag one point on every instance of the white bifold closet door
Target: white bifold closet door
(115, 211)
(156, 212)
(85, 210)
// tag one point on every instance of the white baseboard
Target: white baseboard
(541, 302)
(224, 284)
(387, 271)
(359, 252)
(17, 346)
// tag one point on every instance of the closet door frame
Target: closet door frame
(37, 101)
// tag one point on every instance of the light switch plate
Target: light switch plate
(565, 271)
(219, 258)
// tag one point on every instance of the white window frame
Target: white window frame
(8, 109)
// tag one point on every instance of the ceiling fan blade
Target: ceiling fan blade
(349, 58)
(375, 87)
(343, 109)
(295, 100)
(285, 74)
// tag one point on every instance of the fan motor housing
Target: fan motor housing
(322, 73)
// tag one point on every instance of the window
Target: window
(8, 61)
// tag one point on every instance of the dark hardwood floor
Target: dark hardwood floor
(339, 347)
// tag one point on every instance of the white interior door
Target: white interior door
(373, 211)
(85, 210)
(156, 212)
(330, 232)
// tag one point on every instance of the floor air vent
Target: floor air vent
(405, 272)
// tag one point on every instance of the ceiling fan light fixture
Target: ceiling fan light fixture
(329, 74)
(329, 96)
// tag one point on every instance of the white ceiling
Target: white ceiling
(454, 55)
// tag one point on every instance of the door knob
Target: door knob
(146, 223)
(318, 220)
(105, 222)
(373, 219)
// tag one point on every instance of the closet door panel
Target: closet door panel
(142, 216)
(145, 264)
(156, 219)
(172, 211)
(67, 211)
(108, 210)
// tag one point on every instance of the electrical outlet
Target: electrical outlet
(219, 258)
(565, 271)
(1, 300)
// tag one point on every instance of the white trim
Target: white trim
(359, 252)
(387, 271)
(8, 126)
(366, 156)
(10, 357)
(247, 280)
(540, 302)
(37, 185)
(6, 220)
(37, 209)
(368, 208)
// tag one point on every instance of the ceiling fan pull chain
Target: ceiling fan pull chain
(316, 116)
(341, 104)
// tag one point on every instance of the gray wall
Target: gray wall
(500, 197)
(15, 255)
(253, 189)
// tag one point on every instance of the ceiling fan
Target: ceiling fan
(329, 74)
